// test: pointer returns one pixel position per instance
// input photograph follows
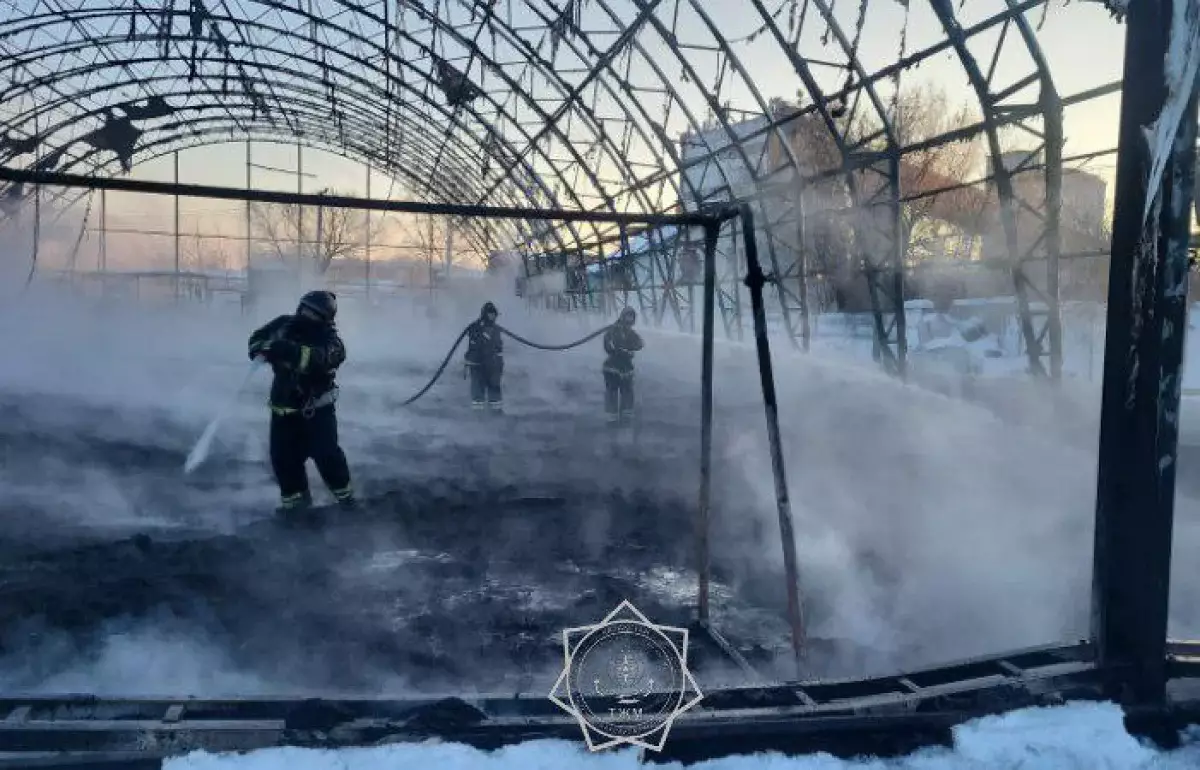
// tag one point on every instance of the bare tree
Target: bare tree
(938, 225)
(316, 235)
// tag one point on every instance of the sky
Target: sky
(1071, 38)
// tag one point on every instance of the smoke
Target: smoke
(927, 528)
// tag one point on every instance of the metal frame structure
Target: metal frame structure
(1127, 659)
(563, 104)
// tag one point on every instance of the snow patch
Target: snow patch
(1078, 735)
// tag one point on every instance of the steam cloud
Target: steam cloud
(927, 528)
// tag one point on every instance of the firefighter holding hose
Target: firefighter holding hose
(485, 361)
(305, 351)
(620, 343)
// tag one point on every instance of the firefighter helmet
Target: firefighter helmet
(321, 305)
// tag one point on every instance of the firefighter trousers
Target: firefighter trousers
(485, 387)
(618, 395)
(295, 439)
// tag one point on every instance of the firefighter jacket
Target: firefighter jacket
(620, 343)
(304, 355)
(484, 346)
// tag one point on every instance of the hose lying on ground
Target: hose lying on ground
(517, 337)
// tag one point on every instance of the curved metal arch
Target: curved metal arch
(1003, 179)
(815, 92)
(48, 107)
(535, 177)
(314, 128)
(304, 76)
(428, 78)
(575, 93)
(164, 147)
(301, 75)
(499, 71)
(875, 289)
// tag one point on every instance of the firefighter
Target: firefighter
(304, 351)
(620, 343)
(485, 361)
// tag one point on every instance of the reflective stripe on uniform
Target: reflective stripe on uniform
(305, 356)
(496, 404)
(327, 398)
(618, 372)
(343, 493)
(478, 405)
(294, 501)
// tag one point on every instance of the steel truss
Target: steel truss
(563, 104)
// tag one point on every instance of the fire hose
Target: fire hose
(446, 361)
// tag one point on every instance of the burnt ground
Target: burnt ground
(540, 520)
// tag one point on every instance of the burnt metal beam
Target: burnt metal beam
(755, 280)
(1147, 323)
(25, 176)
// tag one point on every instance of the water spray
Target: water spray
(199, 452)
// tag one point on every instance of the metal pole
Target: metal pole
(176, 281)
(706, 407)
(1053, 126)
(249, 185)
(103, 231)
(368, 249)
(755, 280)
(319, 253)
(1147, 320)
(37, 207)
(802, 268)
(299, 207)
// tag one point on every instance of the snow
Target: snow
(1077, 735)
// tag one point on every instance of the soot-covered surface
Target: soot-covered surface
(550, 520)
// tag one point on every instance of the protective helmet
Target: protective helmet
(628, 316)
(318, 305)
(488, 309)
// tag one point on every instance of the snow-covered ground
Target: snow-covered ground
(1077, 736)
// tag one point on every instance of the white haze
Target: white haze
(980, 530)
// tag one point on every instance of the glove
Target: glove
(259, 349)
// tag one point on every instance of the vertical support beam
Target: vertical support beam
(319, 254)
(802, 268)
(368, 249)
(176, 280)
(755, 280)
(430, 258)
(900, 323)
(711, 231)
(1053, 110)
(299, 207)
(1147, 320)
(37, 211)
(249, 242)
(103, 231)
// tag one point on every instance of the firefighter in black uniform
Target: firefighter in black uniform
(620, 343)
(304, 351)
(485, 360)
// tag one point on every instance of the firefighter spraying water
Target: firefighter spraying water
(305, 351)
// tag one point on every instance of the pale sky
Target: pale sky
(1081, 43)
